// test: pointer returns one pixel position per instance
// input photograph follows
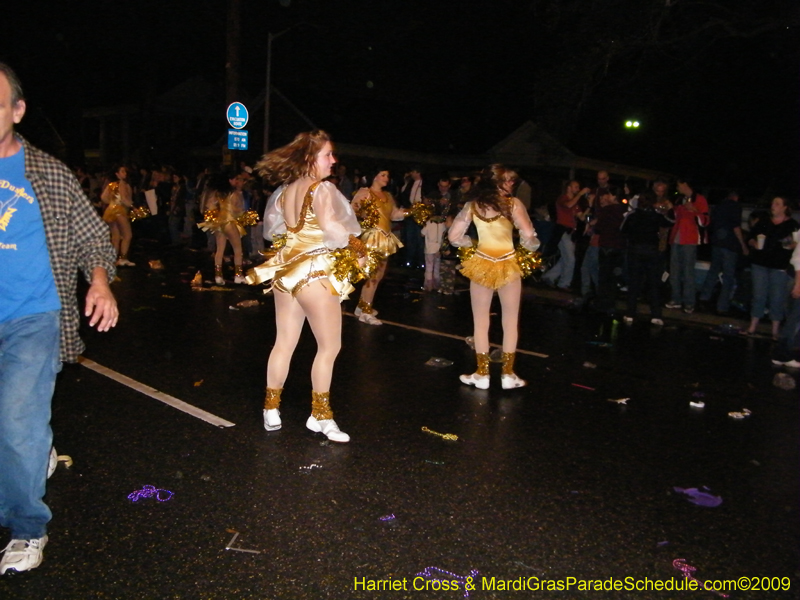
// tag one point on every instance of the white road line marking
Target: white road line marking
(155, 394)
(449, 335)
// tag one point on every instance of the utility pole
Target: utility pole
(232, 62)
(267, 90)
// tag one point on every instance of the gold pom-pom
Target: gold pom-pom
(420, 212)
(374, 260)
(139, 212)
(528, 261)
(465, 253)
(345, 265)
(248, 219)
(368, 214)
(210, 220)
(278, 241)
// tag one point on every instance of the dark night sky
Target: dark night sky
(715, 85)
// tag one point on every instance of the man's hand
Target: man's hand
(101, 306)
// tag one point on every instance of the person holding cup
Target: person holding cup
(771, 244)
(690, 213)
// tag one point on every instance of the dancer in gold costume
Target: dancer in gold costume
(223, 206)
(376, 209)
(493, 265)
(314, 228)
(118, 198)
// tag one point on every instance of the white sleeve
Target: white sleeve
(398, 214)
(335, 215)
(274, 222)
(458, 230)
(527, 234)
(795, 260)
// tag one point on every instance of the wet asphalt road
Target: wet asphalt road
(548, 482)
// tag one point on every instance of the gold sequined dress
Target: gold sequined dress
(376, 215)
(307, 255)
(224, 210)
(494, 262)
(115, 206)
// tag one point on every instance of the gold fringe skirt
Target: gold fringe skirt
(113, 211)
(293, 274)
(381, 241)
(217, 226)
(491, 272)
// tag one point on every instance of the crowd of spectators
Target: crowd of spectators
(603, 242)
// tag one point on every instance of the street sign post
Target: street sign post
(237, 139)
(237, 118)
(237, 115)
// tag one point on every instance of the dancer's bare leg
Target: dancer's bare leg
(510, 300)
(124, 225)
(369, 289)
(116, 236)
(220, 239)
(232, 234)
(481, 300)
(289, 319)
(324, 315)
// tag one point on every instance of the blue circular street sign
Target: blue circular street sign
(237, 115)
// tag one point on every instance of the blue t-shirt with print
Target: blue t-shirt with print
(27, 286)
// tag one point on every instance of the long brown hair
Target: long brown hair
(294, 160)
(486, 193)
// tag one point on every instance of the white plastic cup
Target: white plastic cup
(760, 241)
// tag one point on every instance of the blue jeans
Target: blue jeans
(414, 243)
(681, 273)
(562, 271)
(644, 267)
(788, 341)
(610, 261)
(29, 362)
(769, 288)
(722, 261)
(590, 271)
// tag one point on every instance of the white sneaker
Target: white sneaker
(628, 320)
(22, 555)
(52, 462)
(479, 381)
(329, 428)
(673, 305)
(512, 381)
(369, 319)
(239, 279)
(789, 364)
(124, 262)
(656, 321)
(272, 419)
(219, 280)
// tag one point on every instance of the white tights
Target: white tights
(510, 299)
(320, 306)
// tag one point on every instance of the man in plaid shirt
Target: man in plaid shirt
(48, 230)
